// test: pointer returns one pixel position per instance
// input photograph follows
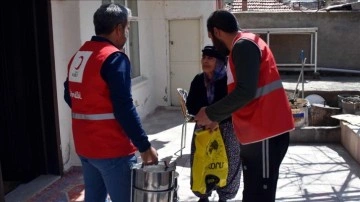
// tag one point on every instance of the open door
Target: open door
(29, 140)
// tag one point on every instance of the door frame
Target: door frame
(54, 154)
(57, 153)
(2, 195)
(168, 68)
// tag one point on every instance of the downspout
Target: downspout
(244, 5)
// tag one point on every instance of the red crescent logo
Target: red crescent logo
(82, 59)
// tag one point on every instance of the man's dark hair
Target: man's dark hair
(108, 16)
(224, 20)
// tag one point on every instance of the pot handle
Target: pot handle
(165, 163)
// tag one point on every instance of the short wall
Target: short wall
(320, 134)
(346, 134)
(350, 139)
(338, 36)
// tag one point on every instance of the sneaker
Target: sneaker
(203, 200)
(222, 200)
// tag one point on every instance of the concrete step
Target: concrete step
(316, 134)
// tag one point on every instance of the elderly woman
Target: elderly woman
(207, 88)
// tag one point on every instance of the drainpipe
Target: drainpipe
(339, 70)
(244, 5)
(219, 4)
(323, 69)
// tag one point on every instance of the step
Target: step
(316, 134)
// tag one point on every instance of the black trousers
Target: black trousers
(261, 163)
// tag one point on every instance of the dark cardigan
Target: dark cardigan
(197, 97)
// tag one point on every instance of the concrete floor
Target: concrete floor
(328, 87)
(309, 172)
(323, 83)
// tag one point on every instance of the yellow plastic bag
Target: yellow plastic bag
(210, 163)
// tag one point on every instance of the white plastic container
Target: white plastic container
(349, 107)
(300, 110)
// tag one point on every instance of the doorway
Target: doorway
(184, 46)
(29, 141)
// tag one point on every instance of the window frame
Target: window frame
(135, 62)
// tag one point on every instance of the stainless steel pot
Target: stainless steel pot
(153, 196)
(158, 177)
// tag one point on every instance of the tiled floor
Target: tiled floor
(68, 188)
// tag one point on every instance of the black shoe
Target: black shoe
(222, 200)
(203, 200)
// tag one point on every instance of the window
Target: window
(132, 44)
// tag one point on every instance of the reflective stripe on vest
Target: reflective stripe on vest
(93, 116)
(268, 88)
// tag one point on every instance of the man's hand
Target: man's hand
(201, 118)
(212, 126)
(150, 156)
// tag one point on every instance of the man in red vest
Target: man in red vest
(106, 127)
(256, 101)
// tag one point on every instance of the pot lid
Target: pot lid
(162, 166)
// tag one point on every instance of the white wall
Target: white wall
(87, 9)
(154, 17)
(73, 25)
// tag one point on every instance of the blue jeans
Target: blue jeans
(107, 176)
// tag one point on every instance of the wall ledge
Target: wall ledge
(350, 139)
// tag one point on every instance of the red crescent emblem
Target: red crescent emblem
(81, 60)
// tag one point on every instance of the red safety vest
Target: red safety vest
(96, 132)
(269, 113)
